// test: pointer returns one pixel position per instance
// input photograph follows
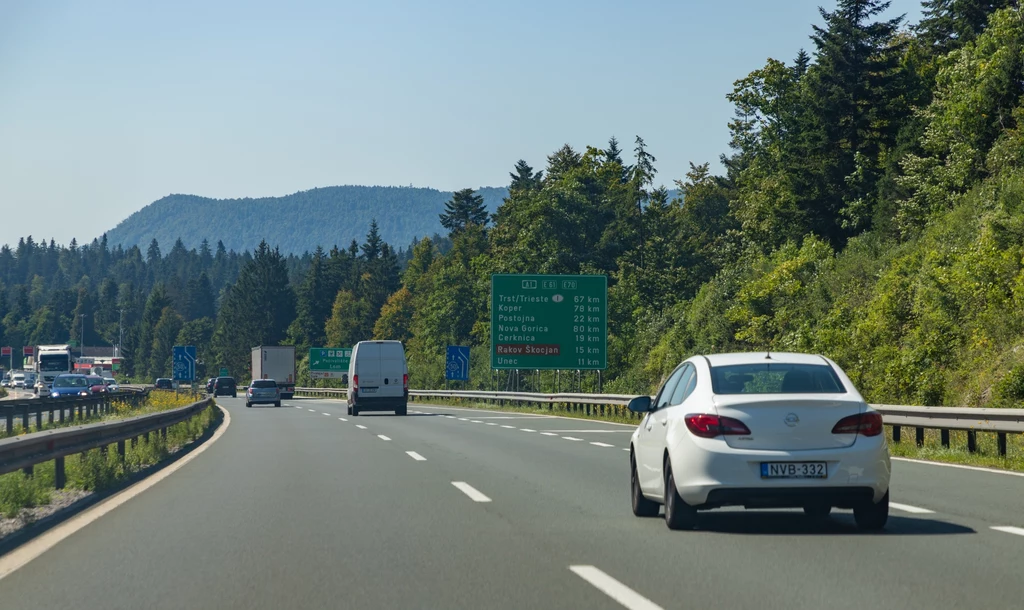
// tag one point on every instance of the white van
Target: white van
(18, 380)
(378, 378)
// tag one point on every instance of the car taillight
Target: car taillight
(864, 424)
(710, 426)
(355, 381)
(405, 381)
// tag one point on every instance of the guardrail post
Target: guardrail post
(895, 434)
(10, 422)
(919, 437)
(120, 449)
(60, 409)
(24, 419)
(39, 418)
(945, 437)
(59, 477)
(1001, 442)
(972, 441)
(145, 436)
(163, 433)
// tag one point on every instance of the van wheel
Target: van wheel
(355, 411)
(402, 410)
(349, 409)
(277, 404)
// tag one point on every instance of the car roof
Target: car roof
(761, 358)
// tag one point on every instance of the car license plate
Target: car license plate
(368, 390)
(793, 470)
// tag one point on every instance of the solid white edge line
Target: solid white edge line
(961, 466)
(416, 456)
(910, 509)
(1009, 529)
(614, 589)
(607, 445)
(383, 438)
(470, 491)
(361, 427)
(32, 549)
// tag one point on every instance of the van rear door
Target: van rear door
(392, 369)
(367, 362)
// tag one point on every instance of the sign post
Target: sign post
(549, 322)
(456, 366)
(329, 362)
(184, 363)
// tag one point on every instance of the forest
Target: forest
(871, 209)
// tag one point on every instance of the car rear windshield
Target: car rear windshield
(771, 378)
(69, 382)
(225, 381)
(264, 383)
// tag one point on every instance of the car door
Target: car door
(648, 453)
(657, 430)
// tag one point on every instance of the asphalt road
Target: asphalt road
(305, 507)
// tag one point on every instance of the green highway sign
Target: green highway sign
(549, 322)
(329, 362)
(224, 372)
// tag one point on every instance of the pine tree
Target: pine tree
(524, 178)
(313, 304)
(371, 248)
(463, 209)
(199, 299)
(949, 24)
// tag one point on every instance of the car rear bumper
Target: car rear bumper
(731, 477)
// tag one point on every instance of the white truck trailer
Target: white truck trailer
(275, 362)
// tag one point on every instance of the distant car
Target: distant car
(41, 387)
(164, 384)
(18, 381)
(760, 431)
(70, 384)
(263, 391)
(223, 386)
(209, 385)
(111, 384)
(96, 385)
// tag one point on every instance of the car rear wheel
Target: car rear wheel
(277, 404)
(248, 405)
(678, 514)
(642, 507)
(817, 511)
(874, 515)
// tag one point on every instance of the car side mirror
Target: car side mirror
(640, 404)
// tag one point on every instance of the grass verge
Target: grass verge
(97, 470)
(987, 454)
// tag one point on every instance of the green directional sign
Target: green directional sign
(549, 322)
(224, 372)
(329, 362)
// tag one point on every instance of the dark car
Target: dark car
(223, 386)
(164, 384)
(96, 385)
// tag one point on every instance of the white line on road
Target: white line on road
(572, 438)
(549, 434)
(416, 456)
(527, 429)
(1007, 529)
(607, 445)
(298, 407)
(910, 509)
(462, 419)
(614, 589)
(325, 413)
(625, 448)
(962, 466)
(470, 491)
(383, 438)
(490, 423)
(475, 421)
(312, 410)
(509, 427)
(592, 431)
(342, 419)
(361, 427)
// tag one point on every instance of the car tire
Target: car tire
(872, 516)
(349, 409)
(355, 411)
(817, 511)
(678, 514)
(277, 404)
(642, 506)
(248, 405)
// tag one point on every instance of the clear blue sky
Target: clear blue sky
(106, 106)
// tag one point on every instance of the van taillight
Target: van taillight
(405, 380)
(355, 381)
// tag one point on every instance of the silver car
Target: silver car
(263, 391)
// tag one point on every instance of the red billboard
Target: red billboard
(5, 351)
(28, 350)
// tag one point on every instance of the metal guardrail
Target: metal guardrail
(944, 419)
(56, 409)
(25, 451)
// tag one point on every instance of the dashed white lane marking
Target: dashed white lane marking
(1006, 529)
(462, 419)
(910, 509)
(475, 421)
(572, 438)
(326, 413)
(416, 456)
(491, 424)
(614, 589)
(607, 445)
(383, 438)
(298, 407)
(509, 427)
(470, 491)
(625, 448)
(549, 434)
(361, 427)
(342, 419)
(527, 430)
(312, 410)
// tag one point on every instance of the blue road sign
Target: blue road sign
(457, 366)
(184, 363)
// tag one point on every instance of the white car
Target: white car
(111, 384)
(759, 430)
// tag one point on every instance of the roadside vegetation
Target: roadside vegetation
(97, 470)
